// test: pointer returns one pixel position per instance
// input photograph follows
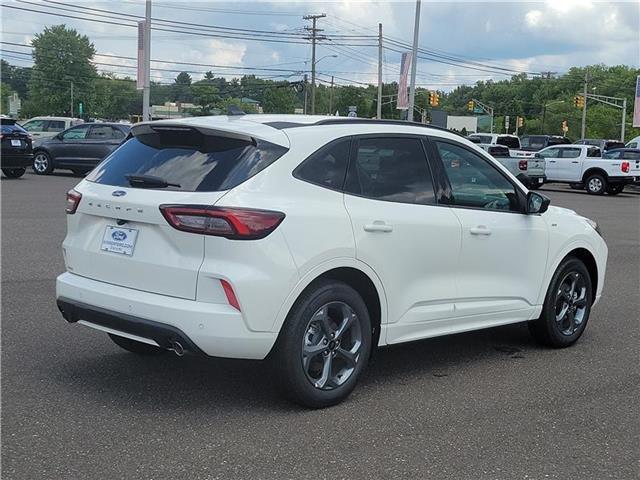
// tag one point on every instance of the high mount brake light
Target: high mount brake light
(228, 222)
(73, 200)
(625, 167)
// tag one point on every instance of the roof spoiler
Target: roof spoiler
(151, 128)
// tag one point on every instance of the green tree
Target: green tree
(279, 98)
(5, 92)
(62, 57)
(206, 95)
(181, 88)
(116, 98)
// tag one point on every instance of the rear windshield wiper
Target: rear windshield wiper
(149, 181)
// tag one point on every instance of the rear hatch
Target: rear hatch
(15, 140)
(118, 234)
(535, 167)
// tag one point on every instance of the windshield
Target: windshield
(510, 142)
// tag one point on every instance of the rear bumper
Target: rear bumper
(623, 180)
(205, 328)
(16, 160)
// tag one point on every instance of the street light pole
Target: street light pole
(414, 60)
(624, 119)
(314, 36)
(379, 112)
(146, 91)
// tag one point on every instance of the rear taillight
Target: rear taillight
(522, 164)
(73, 200)
(228, 222)
(625, 167)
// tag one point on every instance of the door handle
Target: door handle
(378, 226)
(575, 161)
(479, 230)
(552, 161)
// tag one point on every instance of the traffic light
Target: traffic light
(578, 101)
(520, 121)
(434, 99)
(470, 105)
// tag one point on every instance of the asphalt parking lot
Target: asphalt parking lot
(482, 405)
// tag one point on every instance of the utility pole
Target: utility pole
(379, 112)
(71, 100)
(331, 97)
(306, 89)
(146, 91)
(546, 75)
(314, 37)
(584, 108)
(414, 61)
(624, 119)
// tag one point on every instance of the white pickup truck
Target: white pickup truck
(582, 166)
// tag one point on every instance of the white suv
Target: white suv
(313, 240)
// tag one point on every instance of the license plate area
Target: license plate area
(15, 143)
(119, 240)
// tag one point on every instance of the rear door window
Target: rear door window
(55, 126)
(326, 167)
(393, 169)
(196, 163)
(76, 133)
(35, 126)
(104, 132)
(627, 155)
(550, 153)
(570, 152)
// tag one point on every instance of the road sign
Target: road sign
(80, 109)
(14, 104)
(506, 123)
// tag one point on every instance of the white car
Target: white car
(47, 127)
(313, 240)
(633, 143)
(582, 166)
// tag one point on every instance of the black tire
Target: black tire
(295, 379)
(13, 172)
(615, 189)
(136, 347)
(535, 186)
(547, 330)
(42, 164)
(596, 184)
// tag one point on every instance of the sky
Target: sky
(502, 37)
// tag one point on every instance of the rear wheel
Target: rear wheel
(324, 345)
(136, 347)
(615, 189)
(42, 163)
(596, 184)
(567, 306)
(13, 172)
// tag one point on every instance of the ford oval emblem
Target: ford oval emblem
(118, 193)
(119, 236)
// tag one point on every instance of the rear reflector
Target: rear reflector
(231, 296)
(625, 167)
(73, 200)
(228, 222)
(522, 164)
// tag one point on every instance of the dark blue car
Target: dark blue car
(16, 153)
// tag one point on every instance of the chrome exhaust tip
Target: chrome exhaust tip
(177, 348)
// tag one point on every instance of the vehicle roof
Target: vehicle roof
(626, 149)
(47, 117)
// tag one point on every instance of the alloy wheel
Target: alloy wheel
(571, 303)
(40, 163)
(331, 345)
(595, 185)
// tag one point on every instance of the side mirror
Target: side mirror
(58, 136)
(537, 155)
(537, 203)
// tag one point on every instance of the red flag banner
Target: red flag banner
(636, 105)
(403, 96)
(140, 73)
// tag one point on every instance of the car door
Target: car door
(101, 140)
(70, 149)
(569, 164)
(503, 252)
(551, 156)
(400, 232)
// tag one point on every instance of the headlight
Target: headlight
(594, 225)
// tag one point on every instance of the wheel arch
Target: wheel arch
(586, 257)
(592, 171)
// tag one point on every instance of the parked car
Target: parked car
(529, 144)
(313, 240)
(78, 148)
(583, 167)
(603, 145)
(529, 170)
(633, 143)
(47, 127)
(630, 154)
(16, 154)
(512, 142)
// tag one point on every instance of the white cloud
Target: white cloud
(533, 18)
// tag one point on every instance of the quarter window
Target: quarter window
(474, 181)
(327, 166)
(393, 169)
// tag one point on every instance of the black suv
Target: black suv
(533, 143)
(16, 152)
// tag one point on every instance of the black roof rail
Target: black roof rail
(374, 121)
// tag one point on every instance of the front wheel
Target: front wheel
(42, 164)
(136, 347)
(13, 172)
(567, 306)
(324, 345)
(596, 184)
(615, 189)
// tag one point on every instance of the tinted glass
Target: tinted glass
(533, 142)
(482, 138)
(215, 164)
(76, 133)
(104, 132)
(327, 166)
(612, 145)
(633, 144)
(55, 126)
(558, 141)
(474, 181)
(510, 142)
(627, 155)
(611, 155)
(391, 169)
(570, 152)
(34, 126)
(593, 152)
(550, 153)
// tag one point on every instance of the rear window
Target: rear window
(533, 143)
(215, 164)
(611, 145)
(509, 142)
